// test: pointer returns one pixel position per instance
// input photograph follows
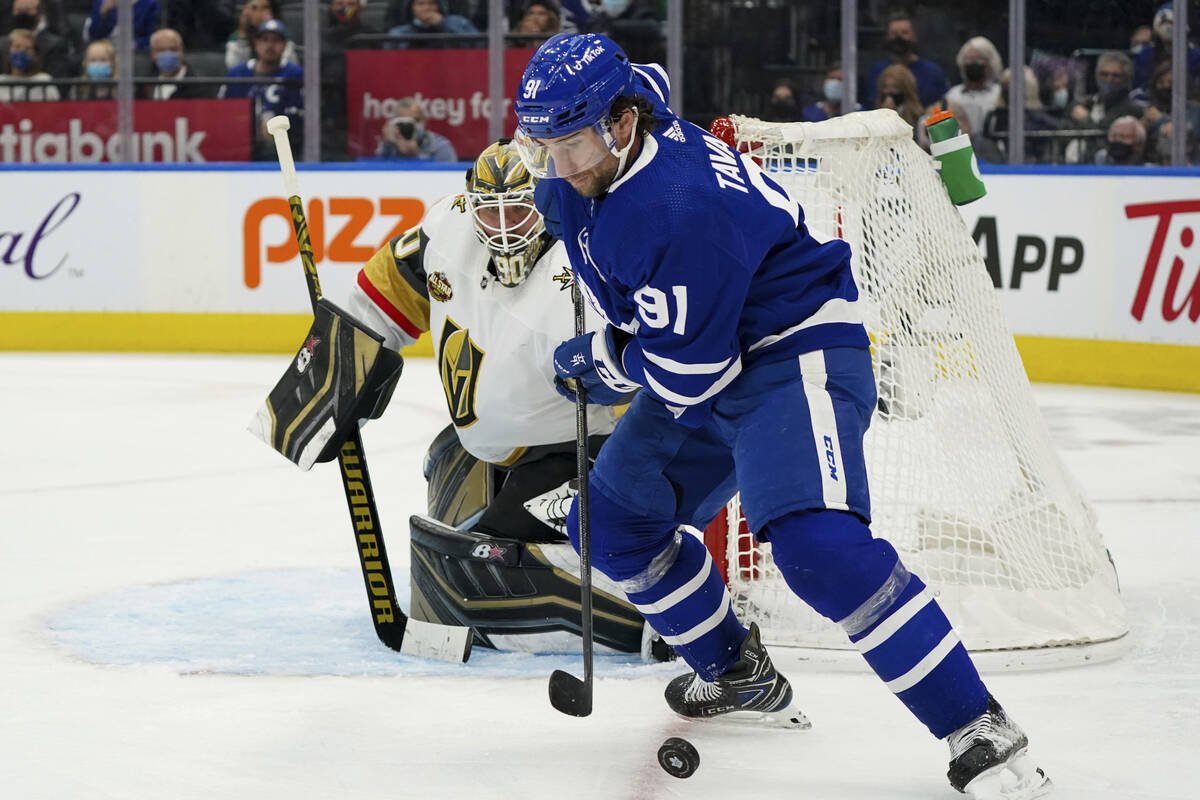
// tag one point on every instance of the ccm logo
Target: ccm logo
(830, 458)
(333, 238)
(534, 120)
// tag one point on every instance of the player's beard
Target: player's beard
(595, 181)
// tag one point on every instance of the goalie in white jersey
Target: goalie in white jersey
(481, 274)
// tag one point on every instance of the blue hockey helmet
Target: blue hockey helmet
(568, 86)
(571, 82)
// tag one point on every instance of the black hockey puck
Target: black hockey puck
(678, 757)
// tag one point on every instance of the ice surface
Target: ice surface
(181, 617)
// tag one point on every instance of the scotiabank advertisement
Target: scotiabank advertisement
(450, 85)
(86, 132)
(1105, 257)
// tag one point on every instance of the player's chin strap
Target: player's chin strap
(623, 153)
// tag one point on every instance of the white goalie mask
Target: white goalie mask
(500, 197)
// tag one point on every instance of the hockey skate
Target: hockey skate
(752, 684)
(989, 759)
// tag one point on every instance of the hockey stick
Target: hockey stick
(568, 694)
(392, 626)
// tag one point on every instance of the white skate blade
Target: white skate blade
(790, 718)
(1019, 779)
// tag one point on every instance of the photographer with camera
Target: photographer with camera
(404, 136)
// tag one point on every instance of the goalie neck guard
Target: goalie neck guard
(500, 195)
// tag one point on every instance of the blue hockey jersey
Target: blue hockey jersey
(706, 261)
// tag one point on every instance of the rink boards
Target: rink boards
(1097, 271)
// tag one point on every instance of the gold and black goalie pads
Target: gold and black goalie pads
(341, 374)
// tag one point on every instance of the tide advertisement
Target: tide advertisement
(1105, 257)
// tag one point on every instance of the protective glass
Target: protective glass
(568, 155)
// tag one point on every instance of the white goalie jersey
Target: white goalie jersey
(494, 344)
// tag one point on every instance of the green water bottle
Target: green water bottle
(956, 159)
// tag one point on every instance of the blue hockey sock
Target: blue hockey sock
(670, 577)
(831, 561)
(688, 605)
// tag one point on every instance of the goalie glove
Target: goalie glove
(594, 361)
(341, 376)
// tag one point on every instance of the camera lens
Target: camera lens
(405, 129)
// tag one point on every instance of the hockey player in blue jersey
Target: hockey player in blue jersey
(743, 337)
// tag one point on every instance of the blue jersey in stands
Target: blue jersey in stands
(272, 98)
(708, 262)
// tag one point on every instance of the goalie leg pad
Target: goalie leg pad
(503, 586)
(341, 374)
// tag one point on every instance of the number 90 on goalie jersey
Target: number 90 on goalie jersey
(342, 374)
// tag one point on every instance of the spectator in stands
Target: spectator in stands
(269, 100)
(430, 16)
(633, 24)
(540, 17)
(203, 25)
(995, 126)
(53, 49)
(783, 106)
(240, 47)
(897, 90)
(166, 53)
(1112, 100)
(901, 42)
(404, 136)
(99, 65)
(102, 22)
(1158, 110)
(830, 104)
(980, 66)
(1141, 38)
(1159, 49)
(1126, 144)
(21, 62)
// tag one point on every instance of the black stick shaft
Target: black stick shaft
(585, 538)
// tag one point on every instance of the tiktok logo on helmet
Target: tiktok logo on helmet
(571, 83)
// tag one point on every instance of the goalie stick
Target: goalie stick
(392, 626)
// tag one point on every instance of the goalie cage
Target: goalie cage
(964, 481)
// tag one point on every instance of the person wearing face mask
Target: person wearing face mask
(53, 48)
(979, 64)
(1112, 98)
(20, 61)
(901, 43)
(99, 66)
(1126, 144)
(102, 22)
(1158, 108)
(168, 65)
(830, 104)
(405, 136)
(783, 105)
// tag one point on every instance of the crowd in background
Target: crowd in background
(1086, 102)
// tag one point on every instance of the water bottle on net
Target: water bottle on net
(956, 158)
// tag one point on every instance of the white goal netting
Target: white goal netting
(964, 480)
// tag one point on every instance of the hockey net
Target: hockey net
(964, 480)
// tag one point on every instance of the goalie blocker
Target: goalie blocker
(341, 374)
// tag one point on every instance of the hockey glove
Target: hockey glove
(594, 361)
